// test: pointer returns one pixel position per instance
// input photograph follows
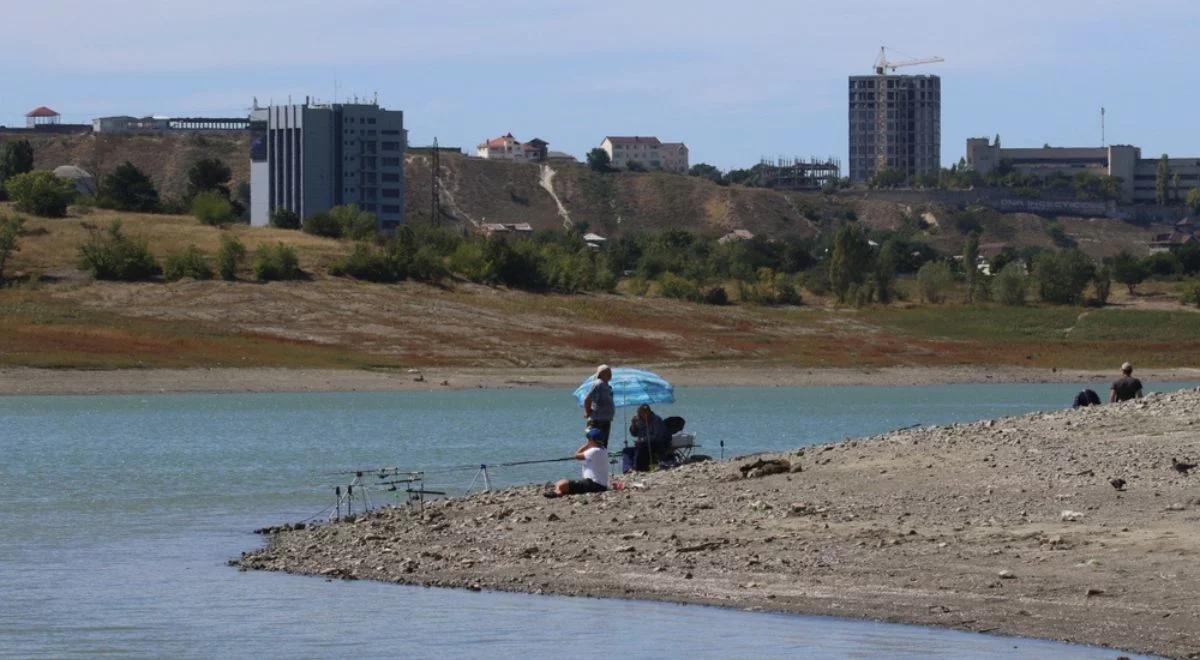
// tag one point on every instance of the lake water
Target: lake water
(119, 512)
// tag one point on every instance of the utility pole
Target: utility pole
(1102, 136)
(435, 210)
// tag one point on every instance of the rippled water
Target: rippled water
(119, 512)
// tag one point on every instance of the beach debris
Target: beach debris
(1070, 516)
(1182, 468)
(1006, 575)
(759, 505)
(1117, 483)
(700, 547)
(1092, 591)
(765, 467)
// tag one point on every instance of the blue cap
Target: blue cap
(594, 434)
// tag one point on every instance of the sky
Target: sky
(736, 81)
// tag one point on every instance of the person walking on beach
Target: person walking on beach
(1126, 387)
(598, 406)
(595, 469)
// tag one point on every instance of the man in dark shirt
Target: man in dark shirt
(1126, 387)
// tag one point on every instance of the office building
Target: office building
(1139, 176)
(311, 157)
(895, 124)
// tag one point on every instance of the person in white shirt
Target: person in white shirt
(595, 468)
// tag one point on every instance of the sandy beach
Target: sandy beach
(1011, 526)
(25, 381)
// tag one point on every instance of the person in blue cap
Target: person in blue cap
(595, 468)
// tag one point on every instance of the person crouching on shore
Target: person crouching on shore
(595, 468)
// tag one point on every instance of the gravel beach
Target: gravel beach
(1010, 526)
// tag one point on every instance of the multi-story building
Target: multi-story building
(309, 158)
(649, 152)
(895, 124)
(507, 147)
(1139, 176)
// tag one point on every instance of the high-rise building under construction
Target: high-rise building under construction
(895, 124)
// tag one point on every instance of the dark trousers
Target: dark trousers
(605, 426)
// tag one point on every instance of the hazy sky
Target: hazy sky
(734, 80)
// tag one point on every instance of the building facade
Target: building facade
(507, 147)
(126, 124)
(1139, 176)
(309, 158)
(895, 124)
(649, 152)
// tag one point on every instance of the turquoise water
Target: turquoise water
(119, 512)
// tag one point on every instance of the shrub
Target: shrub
(640, 286)
(367, 262)
(816, 280)
(16, 157)
(285, 219)
(212, 208)
(128, 189)
(427, 265)
(933, 280)
(41, 193)
(189, 263)
(276, 262)
(111, 255)
(345, 221)
(229, 257)
(1102, 283)
(208, 175)
(680, 288)
(10, 230)
(1063, 276)
(716, 296)
(1009, 285)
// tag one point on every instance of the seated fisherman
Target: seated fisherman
(595, 468)
(652, 438)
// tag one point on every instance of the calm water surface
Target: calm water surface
(119, 512)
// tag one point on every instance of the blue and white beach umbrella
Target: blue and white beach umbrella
(632, 387)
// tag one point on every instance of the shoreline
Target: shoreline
(32, 381)
(1007, 526)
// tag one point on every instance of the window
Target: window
(390, 177)
(391, 162)
(391, 193)
(388, 131)
(390, 208)
(391, 146)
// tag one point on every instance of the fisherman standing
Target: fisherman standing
(1126, 387)
(598, 407)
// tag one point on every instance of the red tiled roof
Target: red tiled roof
(632, 140)
(498, 142)
(41, 111)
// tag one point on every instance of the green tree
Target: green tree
(212, 208)
(599, 160)
(112, 255)
(11, 228)
(189, 263)
(1009, 284)
(354, 223)
(885, 271)
(1193, 199)
(285, 219)
(230, 257)
(706, 171)
(933, 280)
(41, 193)
(1102, 284)
(1063, 276)
(1127, 270)
(1162, 180)
(129, 189)
(16, 157)
(276, 262)
(208, 175)
(634, 166)
(851, 262)
(888, 178)
(971, 267)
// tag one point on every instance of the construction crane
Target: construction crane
(882, 65)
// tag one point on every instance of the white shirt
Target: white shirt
(595, 465)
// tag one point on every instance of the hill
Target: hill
(476, 191)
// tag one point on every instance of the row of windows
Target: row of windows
(361, 120)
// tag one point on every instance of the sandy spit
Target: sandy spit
(18, 381)
(1009, 526)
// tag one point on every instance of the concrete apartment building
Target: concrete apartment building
(1138, 175)
(311, 157)
(649, 152)
(895, 124)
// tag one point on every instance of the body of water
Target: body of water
(119, 513)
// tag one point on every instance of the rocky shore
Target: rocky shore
(1078, 525)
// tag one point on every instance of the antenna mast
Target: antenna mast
(1102, 137)
(435, 210)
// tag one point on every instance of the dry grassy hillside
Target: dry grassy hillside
(165, 158)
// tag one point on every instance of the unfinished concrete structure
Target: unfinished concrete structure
(1139, 176)
(895, 124)
(798, 174)
(309, 158)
